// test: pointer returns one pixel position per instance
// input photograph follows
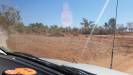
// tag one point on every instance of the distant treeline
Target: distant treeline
(86, 28)
(10, 20)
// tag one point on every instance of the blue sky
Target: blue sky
(49, 11)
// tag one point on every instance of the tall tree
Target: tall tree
(112, 25)
(86, 26)
(9, 17)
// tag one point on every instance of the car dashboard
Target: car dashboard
(11, 62)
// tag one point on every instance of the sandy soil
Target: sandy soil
(75, 49)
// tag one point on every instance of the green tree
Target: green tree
(20, 28)
(112, 25)
(86, 26)
(37, 28)
(54, 30)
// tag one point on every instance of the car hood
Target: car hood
(87, 67)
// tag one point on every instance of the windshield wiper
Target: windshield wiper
(63, 69)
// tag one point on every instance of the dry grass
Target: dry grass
(97, 52)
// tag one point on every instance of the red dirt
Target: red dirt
(70, 49)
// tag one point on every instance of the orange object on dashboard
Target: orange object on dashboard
(21, 71)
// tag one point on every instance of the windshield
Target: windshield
(96, 32)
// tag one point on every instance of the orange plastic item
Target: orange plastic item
(21, 71)
(10, 72)
(26, 71)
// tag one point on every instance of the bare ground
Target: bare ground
(73, 49)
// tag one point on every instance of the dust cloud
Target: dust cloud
(3, 38)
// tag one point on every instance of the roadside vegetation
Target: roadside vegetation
(10, 20)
